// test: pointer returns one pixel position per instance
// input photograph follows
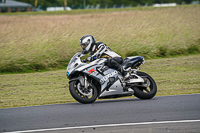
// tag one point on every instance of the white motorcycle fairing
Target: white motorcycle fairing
(108, 79)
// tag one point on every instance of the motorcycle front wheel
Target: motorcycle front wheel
(146, 90)
(82, 94)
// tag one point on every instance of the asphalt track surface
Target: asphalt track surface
(161, 114)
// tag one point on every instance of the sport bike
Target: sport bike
(89, 81)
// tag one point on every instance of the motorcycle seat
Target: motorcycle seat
(132, 61)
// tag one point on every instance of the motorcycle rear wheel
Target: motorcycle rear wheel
(81, 94)
(145, 92)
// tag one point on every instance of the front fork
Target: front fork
(86, 82)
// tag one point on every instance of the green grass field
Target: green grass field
(174, 76)
(42, 42)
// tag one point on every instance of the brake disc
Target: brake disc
(84, 91)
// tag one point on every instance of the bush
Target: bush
(194, 48)
(162, 51)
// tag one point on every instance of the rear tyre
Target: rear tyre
(147, 92)
(82, 94)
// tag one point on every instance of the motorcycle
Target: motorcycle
(89, 81)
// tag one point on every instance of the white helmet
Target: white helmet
(86, 43)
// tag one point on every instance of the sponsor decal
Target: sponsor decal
(108, 76)
(91, 71)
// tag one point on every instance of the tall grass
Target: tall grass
(44, 42)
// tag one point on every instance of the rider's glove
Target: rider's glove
(84, 61)
(92, 58)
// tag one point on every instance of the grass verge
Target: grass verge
(174, 76)
(42, 42)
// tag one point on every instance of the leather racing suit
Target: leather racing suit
(100, 50)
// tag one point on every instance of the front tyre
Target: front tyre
(82, 94)
(146, 90)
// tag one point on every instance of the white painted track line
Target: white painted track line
(108, 125)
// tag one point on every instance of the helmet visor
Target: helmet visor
(84, 45)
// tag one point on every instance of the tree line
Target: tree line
(102, 3)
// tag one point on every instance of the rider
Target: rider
(100, 50)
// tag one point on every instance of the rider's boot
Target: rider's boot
(125, 74)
